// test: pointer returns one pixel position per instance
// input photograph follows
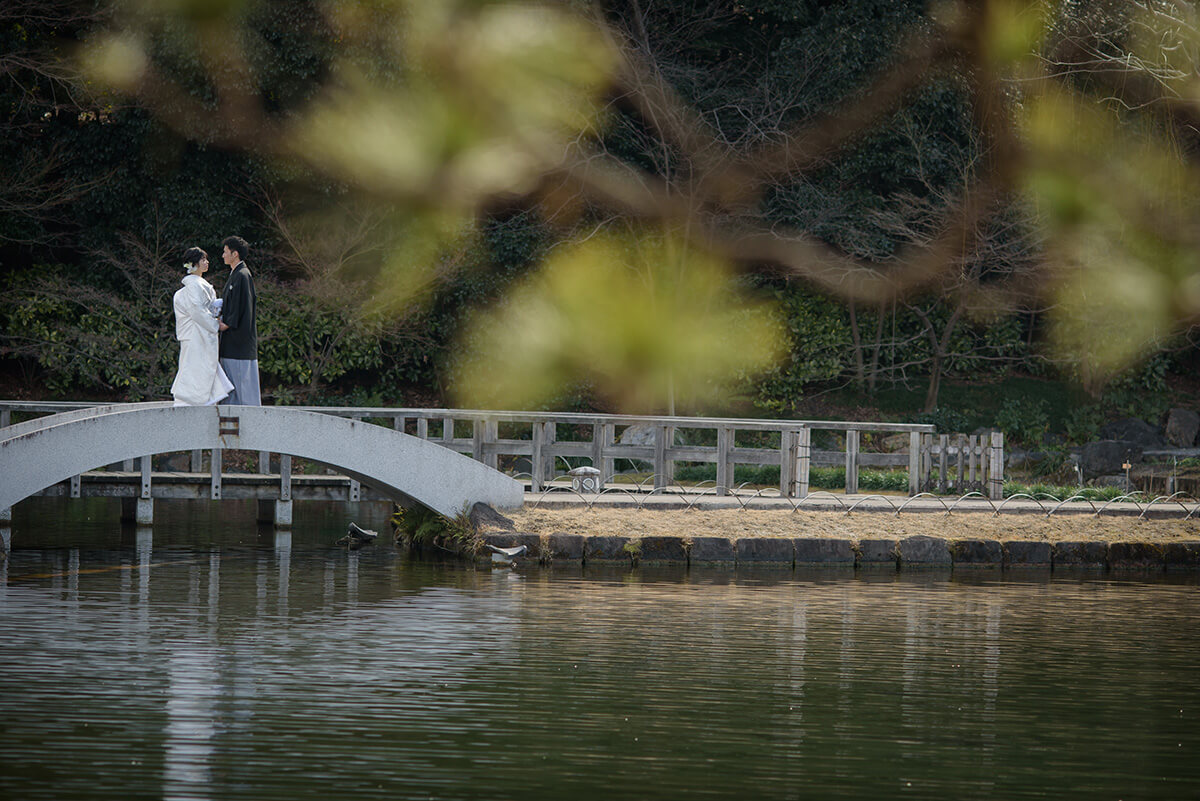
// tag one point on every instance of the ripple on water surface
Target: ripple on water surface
(247, 667)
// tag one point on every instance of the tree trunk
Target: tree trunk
(860, 376)
(935, 383)
(873, 375)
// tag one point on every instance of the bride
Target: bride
(200, 380)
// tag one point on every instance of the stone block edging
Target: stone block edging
(918, 551)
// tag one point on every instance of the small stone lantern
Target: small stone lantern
(585, 479)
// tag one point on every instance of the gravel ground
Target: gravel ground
(734, 523)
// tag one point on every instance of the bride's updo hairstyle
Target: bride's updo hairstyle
(192, 257)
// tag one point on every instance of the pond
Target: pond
(209, 658)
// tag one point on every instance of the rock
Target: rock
(894, 443)
(484, 518)
(1181, 555)
(643, 434)
(1182, 427)
(1115, 480)
(1027, 460)
(776, 550)
(1020, 552)
(1106, 456)
(565, 546)
(875, 552)
(711, 549)
(923, 550)
(1139, 555)
(176, 462)
(977, 553)
(822, 551)
(1131, 429)
(1080, 554)
(658, 550)
(606, 549)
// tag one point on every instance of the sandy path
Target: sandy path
(734, 523)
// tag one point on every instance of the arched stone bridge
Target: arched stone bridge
(45, 451)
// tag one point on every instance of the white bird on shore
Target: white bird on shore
(506, 555)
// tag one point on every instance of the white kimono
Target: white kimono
(200, 380)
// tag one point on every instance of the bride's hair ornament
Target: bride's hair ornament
(192, 258)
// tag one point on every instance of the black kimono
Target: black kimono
(239, 342)
(240, 313)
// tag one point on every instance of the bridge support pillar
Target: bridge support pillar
(278, 513)
(139, 510)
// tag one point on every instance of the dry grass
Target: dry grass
(734, 523)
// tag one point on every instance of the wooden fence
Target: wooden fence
(550, 443)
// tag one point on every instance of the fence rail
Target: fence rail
(547, 441)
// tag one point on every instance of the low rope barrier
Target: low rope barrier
(745, 496)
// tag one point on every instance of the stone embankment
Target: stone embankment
(785, 539)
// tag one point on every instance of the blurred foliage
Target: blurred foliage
(638, 317)
(422, 182)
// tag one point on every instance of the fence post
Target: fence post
(927, 463)
(536, 469)
(491, 433)
(973, 446)
(283, 506)
(996, 467)
(285, 477)
(851, 462)
(197, 461)
(959, 484)
(214, 461)
(787, 462)
(5, 418)
(598, 444)
(398, 422)
(943, 444)
(914, 462)
(423, 428)
(477, 436)
(724, 446)
(803, 461)
(355, 489)
(549, 439)
(660, 457)
(670, 460)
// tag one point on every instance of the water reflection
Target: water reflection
(192, 696)
(283, 667)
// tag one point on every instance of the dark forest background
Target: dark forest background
(99, 197)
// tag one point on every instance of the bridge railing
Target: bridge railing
(548, 443)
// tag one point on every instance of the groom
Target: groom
(239, 329)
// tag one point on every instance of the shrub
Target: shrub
(418, 526)
(1083, 424)
(1024, 421)
(947, 421)
(818, 477)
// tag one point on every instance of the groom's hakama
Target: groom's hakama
(239, 342)
(244, 375)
